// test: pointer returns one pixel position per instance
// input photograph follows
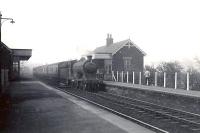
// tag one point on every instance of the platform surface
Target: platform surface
(182, 92)
(38, 108)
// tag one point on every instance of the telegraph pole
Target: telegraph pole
(0, 29)
(2, 60)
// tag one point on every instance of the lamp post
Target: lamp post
(1, 22)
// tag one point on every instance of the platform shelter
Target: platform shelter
(10, 64)
(19, 55)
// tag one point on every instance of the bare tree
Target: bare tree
(194, 78)
(197, 60)
(170, 68)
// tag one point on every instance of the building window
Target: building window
(127, 63)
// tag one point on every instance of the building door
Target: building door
(108, 66)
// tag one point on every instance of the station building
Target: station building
(120, 56)
(10, 64)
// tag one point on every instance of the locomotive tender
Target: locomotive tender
(80, 74)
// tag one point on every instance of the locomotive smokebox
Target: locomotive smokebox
(90, 67)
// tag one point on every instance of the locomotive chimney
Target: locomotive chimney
(109, 40)
(89, 58)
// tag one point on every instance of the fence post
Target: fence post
(113, 76)
(188, 81)
(122, 77)
(164, 79)
(127, 77)
(175, 82)
(155, 78)
(140, 78)
(117, 76)
(133, 78)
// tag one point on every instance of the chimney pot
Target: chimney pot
(107, 35)
(109, 40)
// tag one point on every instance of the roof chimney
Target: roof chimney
(89, 58)
(109, 40)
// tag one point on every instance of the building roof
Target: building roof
(22, 54)
(4, 46)
(113, 48)
(18, 54)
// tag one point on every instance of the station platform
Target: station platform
(190, 93)
(39, 108)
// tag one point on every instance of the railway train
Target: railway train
(80, 74)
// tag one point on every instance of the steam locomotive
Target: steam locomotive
(80, 74)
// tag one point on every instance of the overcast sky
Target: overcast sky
(59, 30)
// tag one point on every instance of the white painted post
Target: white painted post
(156, 78)
(188, 81)
(133, 78)
(113, 76)
(175, 82)
(140, 78)
(127, 77)
(117, 76)
(122, 77)
(164, 79)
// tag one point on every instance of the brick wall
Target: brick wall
(137, 61)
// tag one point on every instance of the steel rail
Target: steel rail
(151, 110)
(145, 102)
(151, 127)
(183, 123)
(180, 112)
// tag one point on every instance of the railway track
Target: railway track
(157, 118)
(189, 122)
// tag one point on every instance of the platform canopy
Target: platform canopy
(21, 54)
(4, 47)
